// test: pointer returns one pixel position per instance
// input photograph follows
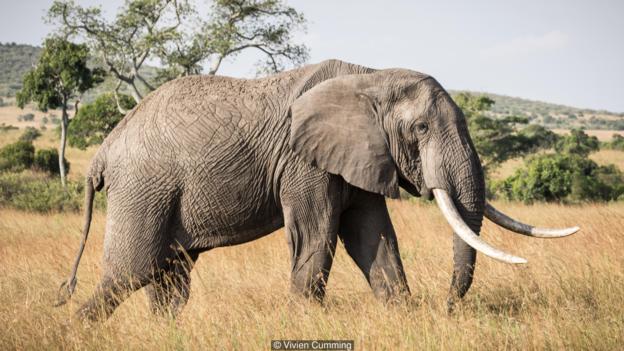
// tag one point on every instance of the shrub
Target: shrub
(26, 117)
(539, 137)
(36, 192)
(17, 156)
(30, 134)
(563, 178)
(616, 143)
(47, 160)
(577, 143)
(94, 121)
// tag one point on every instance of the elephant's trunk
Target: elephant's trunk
(467, 189)
(458, 184)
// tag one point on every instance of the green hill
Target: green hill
(553, 115)
(17, 59)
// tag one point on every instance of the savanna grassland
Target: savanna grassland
(569, 295)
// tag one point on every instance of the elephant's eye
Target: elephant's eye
(422, 128)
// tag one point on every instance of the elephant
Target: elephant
(210, 161)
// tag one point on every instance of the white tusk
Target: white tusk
(463, 231)
(509, 223)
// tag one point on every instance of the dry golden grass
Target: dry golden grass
(9, 114)
(605, 157)
(602, 135)
(569, 296)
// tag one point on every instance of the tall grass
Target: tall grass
(569, 296)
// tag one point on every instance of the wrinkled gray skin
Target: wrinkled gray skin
(206, 162)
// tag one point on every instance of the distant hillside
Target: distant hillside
(17, 59)
(552, 115)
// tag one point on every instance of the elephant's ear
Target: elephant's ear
(334, 127)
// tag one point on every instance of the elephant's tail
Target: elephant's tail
(67, 287)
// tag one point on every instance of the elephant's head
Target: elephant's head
(396, 127)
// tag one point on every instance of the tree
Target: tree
(124, 44)
(234, 26)
(563, 177)
(540, 137)
(173, 31)
(496, 139)
(60, 76)
(94, 121)
(577, 143)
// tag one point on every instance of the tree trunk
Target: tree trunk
(64, 124)
(136, 94)
(121, 110)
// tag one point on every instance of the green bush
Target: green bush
(616, 143)
(26, 117)
(538, 137)
(36, 192)
(30, 134)
(47, 160)
(562, 178)
(17, 156)
(96, 120)
(577, 143)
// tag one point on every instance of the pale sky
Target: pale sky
(568, 52)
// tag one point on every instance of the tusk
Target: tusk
(507, 222)
(463, 231)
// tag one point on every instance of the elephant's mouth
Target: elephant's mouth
(452, 216)
(417, 188)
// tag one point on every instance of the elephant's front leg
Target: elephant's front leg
(369, 238)
(311, 219)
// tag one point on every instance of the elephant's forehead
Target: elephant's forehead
(421, 101)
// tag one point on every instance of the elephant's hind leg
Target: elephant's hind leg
(170, 290)
(369, 238)
(136, 244)
(109, 294)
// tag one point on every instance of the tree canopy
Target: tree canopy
(577, 143)
(125, 43)
(94, 121)
(563, 178)
(174, 32)
(499, 139)
(61, 74)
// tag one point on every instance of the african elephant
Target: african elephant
(206, 162)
